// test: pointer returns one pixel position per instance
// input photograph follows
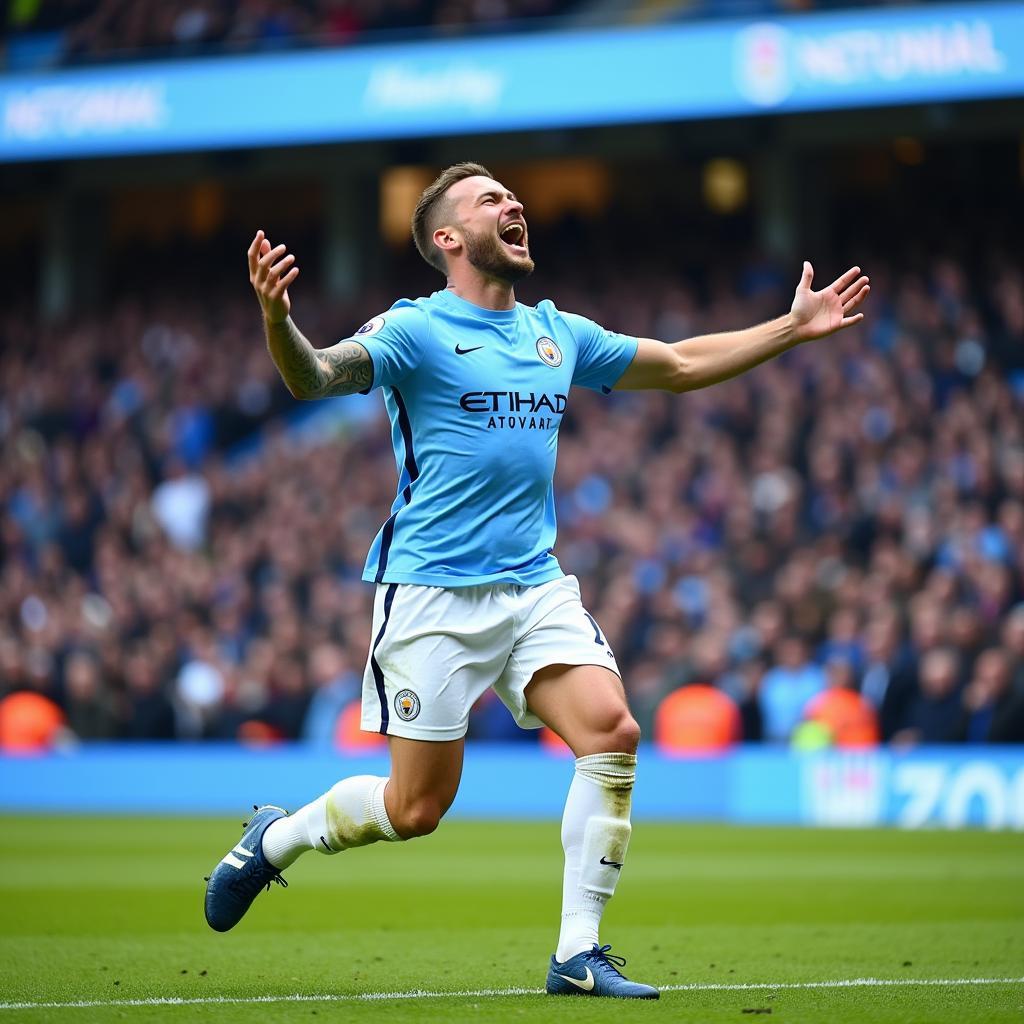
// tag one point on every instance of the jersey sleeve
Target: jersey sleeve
(394, 341)
(601, 356)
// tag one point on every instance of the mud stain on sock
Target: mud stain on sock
(344, 833)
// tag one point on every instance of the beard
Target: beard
(489, 255)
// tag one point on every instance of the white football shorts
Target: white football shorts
(435, 650)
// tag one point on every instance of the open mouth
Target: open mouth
(514, 236)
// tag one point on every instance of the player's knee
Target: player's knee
(416, 819)
(615, 732)
(624, 735)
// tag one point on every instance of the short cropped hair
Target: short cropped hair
(433, 209)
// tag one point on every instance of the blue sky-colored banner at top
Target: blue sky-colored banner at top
(608, 76)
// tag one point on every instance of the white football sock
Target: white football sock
(351, 813)
(595, 834)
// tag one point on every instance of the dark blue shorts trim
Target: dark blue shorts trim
(378, 674)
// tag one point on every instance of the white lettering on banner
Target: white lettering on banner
(64, 111)
(399, 87)
(770, 60)
(983, 782)
(922, 786)
(935, 50)
(937, 794)
(843, 789)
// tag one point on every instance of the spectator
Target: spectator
(787, 688)
(149, 713)
(1013, 642)
(181, 504)
(335, 687)
(888, 682)
(88, 704)
(200, 692)
(935, 711)
(992, 711)
(289, 702)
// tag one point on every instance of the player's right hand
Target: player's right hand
(270, 276)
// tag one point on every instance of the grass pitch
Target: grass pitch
(109, 912)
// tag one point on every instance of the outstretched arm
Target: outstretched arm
(343, 369)
(699, 362)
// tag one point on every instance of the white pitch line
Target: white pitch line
(489, 993)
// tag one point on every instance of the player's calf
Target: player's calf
(416, 818)
(350, 814)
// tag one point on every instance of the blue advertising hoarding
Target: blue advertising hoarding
(603, 76)
(936, 787)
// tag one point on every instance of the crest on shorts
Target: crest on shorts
(407, 705)
(370, 327)
(549, 352)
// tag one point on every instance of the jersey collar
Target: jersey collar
(500, 316)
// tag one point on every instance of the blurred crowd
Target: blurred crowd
(177, 561)
(90, 30)
(115, 29)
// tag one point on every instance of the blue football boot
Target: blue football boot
(237, 880)
(594, 973)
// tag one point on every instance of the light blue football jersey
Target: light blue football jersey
(476, 397)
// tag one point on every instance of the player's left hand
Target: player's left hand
(817, 314)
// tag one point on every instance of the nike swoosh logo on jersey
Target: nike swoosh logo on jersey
(460, 351)
(586, 983)
(612, 864)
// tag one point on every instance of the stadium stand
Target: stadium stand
(74, 32)
(77, 31)
(174, 562)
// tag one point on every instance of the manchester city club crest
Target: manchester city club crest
(549, 352)
(407, 705)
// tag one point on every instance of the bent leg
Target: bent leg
(420, 681)
(425, 776)
(586, 706)
(364, 809)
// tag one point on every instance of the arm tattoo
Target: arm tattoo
(343, 369)
(348, 369)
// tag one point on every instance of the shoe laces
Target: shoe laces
(246, 883)
(279, 879)
(600, 956)
(253, 880)
(250, 882)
